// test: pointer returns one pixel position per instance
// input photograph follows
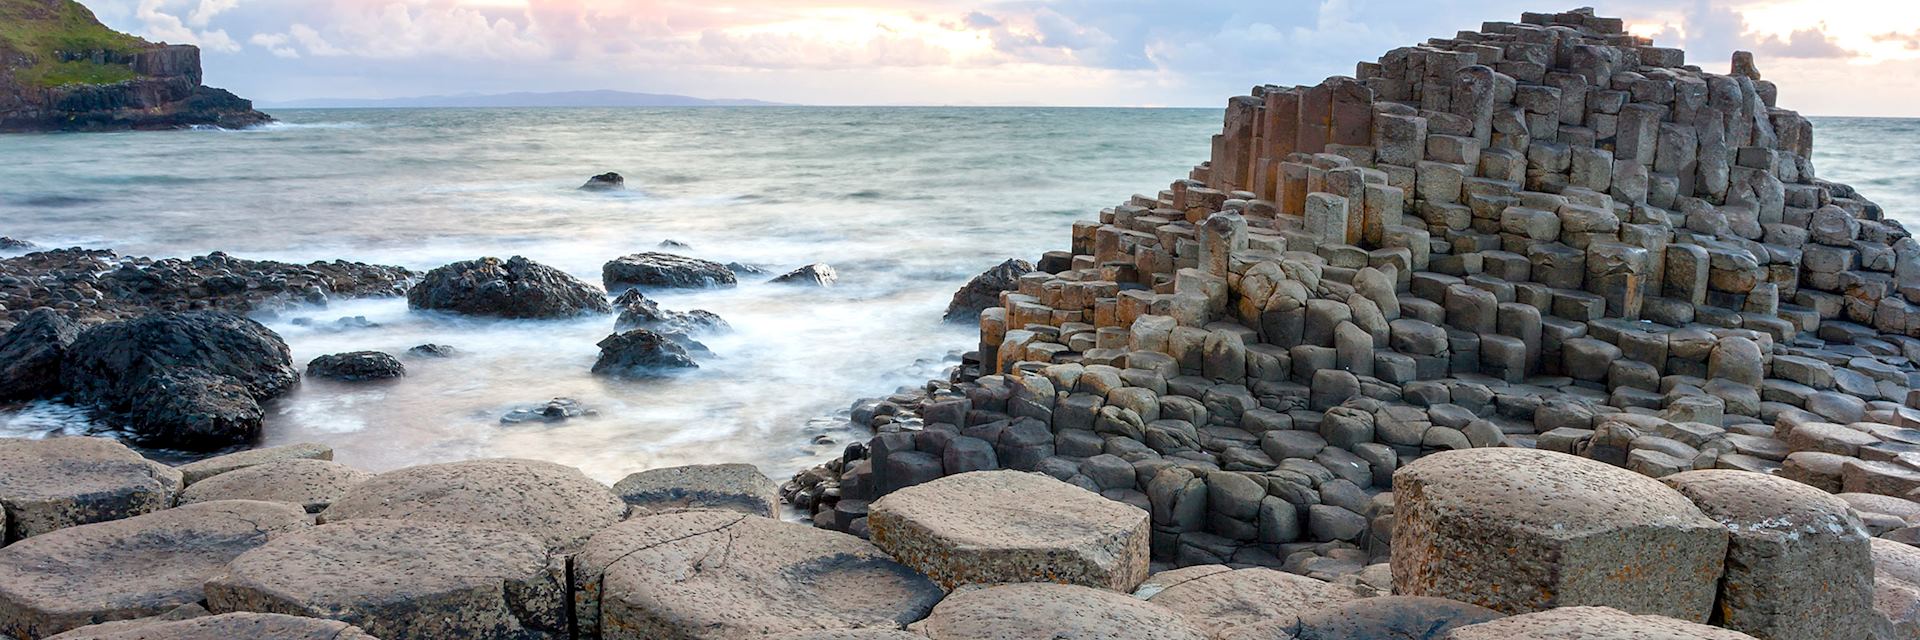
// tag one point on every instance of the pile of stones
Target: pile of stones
(1547, 235)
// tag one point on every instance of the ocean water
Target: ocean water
(906, 204)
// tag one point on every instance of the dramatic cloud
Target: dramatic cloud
(1804, 43)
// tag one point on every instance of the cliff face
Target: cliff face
(61, 70)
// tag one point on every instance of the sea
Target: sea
(906, 204)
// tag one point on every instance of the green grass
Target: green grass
(45, 28)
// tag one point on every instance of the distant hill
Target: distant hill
(527, 99)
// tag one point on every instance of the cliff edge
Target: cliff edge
(61, 70)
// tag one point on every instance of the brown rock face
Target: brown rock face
(164, 93)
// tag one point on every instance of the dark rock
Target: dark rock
(433, 351)
(10, 244)
(640, 353)
(358, 366)
(665, 271)
(555, 410)
(181, 380)
(338, 325)
(161, 89)
(92, 285)
(983, 291)
(813, 275)
(637, 312)
(30, 355)
(608, 181)
(671, 243)
(744, 269)
(515, 288)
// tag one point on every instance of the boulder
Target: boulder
(52, 484)
(404, 579)
(516, 288)
(1380, 618)
(431, 350)
(312, 484)
(30, 355)
(608, 181)
(1010, 526)
(131, 568)
(637, 312)
(229, 626)
(555, 504)
(1228, 599)
(654, 270)
(1519, 530)
(736, 487)
(358, 366)
(1798, 564)
(1591, 623)
(723, 575)
(984, 290)
(813, 275)
(191, 380)
(1024, 611)
(14, 244)
(639, 353)
(196, 471)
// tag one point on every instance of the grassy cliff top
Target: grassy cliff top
(46, 28)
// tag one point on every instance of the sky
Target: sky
(1830, 57)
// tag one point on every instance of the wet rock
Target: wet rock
(515, 288)
(637, 312)
(455, 580)
(722, 575)
(813, 275)
(311, 484)
(433, 351)
(744, 269)
(1043, 610)
(196, 471)
(735, 487)
(984, 290)
(93, 285)
(1583, 623)
(221, 627)
(1518, 530)
(52, 484)
(555, 504)
(158, 561)
(30, 355)
(181, 380)
(338, 325)
(11, 244)
(653, 270)
(1380, 618)
(608, 181)
(639, 353)
(555, 410)
(1227, 599)
(357, 366)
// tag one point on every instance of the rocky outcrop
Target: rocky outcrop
(813, 275)
(358, 366)
(30, 355)
(181, 380)
(311, 484)
(654, 270)
(1040, 610)
(735, 487)
(639, 353)
(557, 505)
(514, 288)
(609, 181)
(984, 290)
(52, 484)
(637, 312)
(61, 70)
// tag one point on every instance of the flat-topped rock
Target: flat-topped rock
(200, 470)
(404, 579)
(1798, 564)
(665, 271)
(722, 575)
(513, 288)
(849, 634)
(1010, 526)
(556, 504)
(131, 568)
(736, 487)
(1519, 530)
(1023, 611)
(62, 482)
(312, 484)
(231, 626)
(1380, 618)
(1591, 623)
(1225, 599)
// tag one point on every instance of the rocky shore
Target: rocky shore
(1532, 332)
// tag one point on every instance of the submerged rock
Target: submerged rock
(358, 366)
(10, 244)
(640, 353)
(181, 380)
(555, 410)
(637, 312)
(741, 268)
(30, 355)
(433, 351)
(514, 288)
(983, 291)
(608, 181)
(653, 269)
(813, 275)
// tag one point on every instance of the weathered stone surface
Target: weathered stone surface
(1228, 599)
(849, 634)
(30, 355)
(1591, 623)
(1798, 564)
(190, 380)
(722, 575)
(1039, 610)
(230, 626)
(664, 271)
(555, 504)
(404, 579)
(200, 470)
(640, 353)
(983, 291)
(737, 487)
(1518, 530)
(1379, 618)
(813, 275)
(512, 288)
(1009, 526)
(62, 482)
(358, 366)
(131, 568)
(311, 484)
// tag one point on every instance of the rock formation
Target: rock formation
(180, 380)
(516, 288)
(358, 366)
(61, 70)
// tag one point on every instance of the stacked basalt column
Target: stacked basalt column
(1546, 234)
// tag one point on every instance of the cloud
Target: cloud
(165, 26)
(278, 44)
(1803, 43)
